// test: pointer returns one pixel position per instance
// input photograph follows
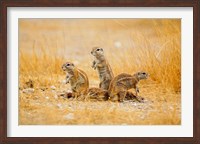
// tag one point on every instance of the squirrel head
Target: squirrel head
(68, 66)
(97, 51)
(141, 75)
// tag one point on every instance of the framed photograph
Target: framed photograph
(99, 71)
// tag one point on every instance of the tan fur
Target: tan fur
(103, 68)
(120, 85)
(78, 80)
(97, 94)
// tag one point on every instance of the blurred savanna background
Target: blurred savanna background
(130, 45)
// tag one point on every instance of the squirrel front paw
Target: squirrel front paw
(67, 79)
(64, 82)
(94, 66)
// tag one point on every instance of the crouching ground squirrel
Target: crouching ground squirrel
(77, 79)
(97, 94)
(104, 70)
(120, 85)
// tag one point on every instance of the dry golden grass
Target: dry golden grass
(131, 45)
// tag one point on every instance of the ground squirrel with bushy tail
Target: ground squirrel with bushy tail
(120, 85)
(103, 68)
(77, 79)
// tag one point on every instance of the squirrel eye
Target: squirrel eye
(68, 65)
(98, 49)
(143, 73)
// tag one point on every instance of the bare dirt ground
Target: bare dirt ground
(45, 106)
(130, 46)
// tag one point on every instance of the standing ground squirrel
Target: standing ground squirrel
(104, 70)
(120, 85)
(77, 79)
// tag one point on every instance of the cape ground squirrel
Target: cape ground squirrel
(97, 94)
(120, 85)
(104, 70)
(77, 79)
